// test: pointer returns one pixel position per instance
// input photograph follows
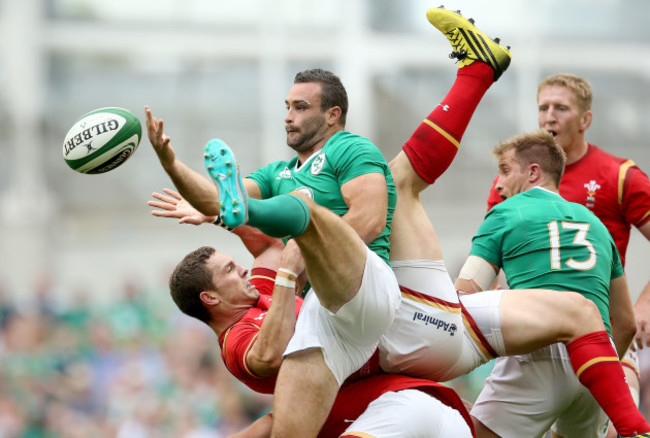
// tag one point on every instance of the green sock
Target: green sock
(283, 216)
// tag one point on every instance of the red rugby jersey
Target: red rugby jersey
(613, 188)
(237, 340)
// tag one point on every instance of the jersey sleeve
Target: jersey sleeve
(617, 265)
(264, 177)
(236, 345)
(488, 241)
(360, 157)
(635, 201)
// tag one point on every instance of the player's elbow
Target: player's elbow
(373, 228)
(268, 364)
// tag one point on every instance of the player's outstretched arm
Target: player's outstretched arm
(195, 188)
(171, 204)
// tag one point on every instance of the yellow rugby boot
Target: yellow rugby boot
(468, 43)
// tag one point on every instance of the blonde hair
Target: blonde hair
(581, 88)
(535, 147)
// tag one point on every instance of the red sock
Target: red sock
(433, 145)
(596, 364)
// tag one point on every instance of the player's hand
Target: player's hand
(292, 259)
(173, 205)
(642, 336)
(160, 141)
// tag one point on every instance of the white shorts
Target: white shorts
(482, 340)
(430, 338)
(349, 337)
(527, 394)
(409, 414)
(426, 338)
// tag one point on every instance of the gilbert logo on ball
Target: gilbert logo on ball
(102, 140)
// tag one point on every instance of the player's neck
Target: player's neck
(220, 323)
(304, 156)
(576, 151)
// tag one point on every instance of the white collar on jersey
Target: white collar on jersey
(299, 165)
(545, 189)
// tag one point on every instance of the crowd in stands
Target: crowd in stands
(131, 368)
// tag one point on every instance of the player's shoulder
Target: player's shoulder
(524, 205)
(278, 164)
(619, 168)
(343, 140)
(606, 158)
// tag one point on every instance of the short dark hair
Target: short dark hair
(333, 94)
(191, 277)
(536, 147)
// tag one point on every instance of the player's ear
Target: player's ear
(333, 115)
(585, 121)
(210, 297)
(534, 172)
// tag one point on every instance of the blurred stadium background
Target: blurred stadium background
(90, 343)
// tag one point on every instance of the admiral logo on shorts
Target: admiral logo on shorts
(435, 322)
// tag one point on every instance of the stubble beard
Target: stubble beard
(305, 141)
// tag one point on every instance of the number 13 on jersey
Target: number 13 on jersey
(580, 238)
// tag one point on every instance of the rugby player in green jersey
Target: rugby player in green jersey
(545, 242)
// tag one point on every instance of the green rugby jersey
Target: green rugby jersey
(543, 241)
(343, 157)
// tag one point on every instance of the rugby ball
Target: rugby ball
(102, 140)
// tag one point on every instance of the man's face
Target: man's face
(232, 281)
(512, 179)
(305, 123)
(558, 113)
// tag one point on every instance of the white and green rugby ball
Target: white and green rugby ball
(102, 140)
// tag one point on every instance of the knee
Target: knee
(582, 311)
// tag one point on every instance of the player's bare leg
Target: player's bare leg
(337, 263)
(304, 394)
(535, 318)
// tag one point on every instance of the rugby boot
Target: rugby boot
(468, 43)
(221, 165)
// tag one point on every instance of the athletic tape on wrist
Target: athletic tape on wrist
(284, 281)
(289, 274)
